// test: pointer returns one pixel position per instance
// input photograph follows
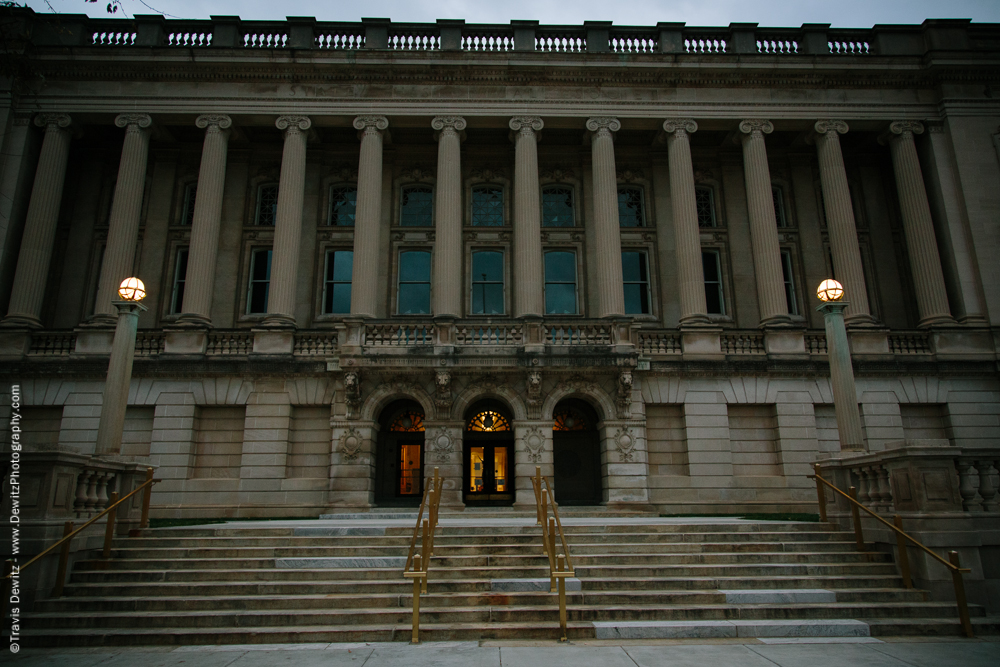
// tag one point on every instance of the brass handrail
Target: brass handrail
(560, 565)
(953, 563)
(69, 533)
(420, 562)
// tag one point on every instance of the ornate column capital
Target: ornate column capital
(60, 120)
(903, 127)
(221, 121)
(827, 126)
(375, 123)
(293, 123)
(603, 124)
(680, 126)
(754, 126)
(526, 123)
(456, 123)
(138, 120)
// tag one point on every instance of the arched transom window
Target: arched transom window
(408, 421)
(488, 421)
(569, 418)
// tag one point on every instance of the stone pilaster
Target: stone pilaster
(687, 237)
(367, 220)
(352, 463)
(607, 277)
(840, 220)
(123, 224)
(533, 448)
(40, 226)
(447, 285)
(443, 450)
(288, 223)
(529, 281)
(203, 254)
(763, 226)
(918, 227)
(624, 462)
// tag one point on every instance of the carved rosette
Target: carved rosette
(906, 127)
(134, 121)
(442, 390)
(293, 124)
(56, 120)
(827, 126)
(448, 123)
(680, 126)
(625, 394)
(534, 444)
(214, 121)
(350, 445)
(441, 444)
(624, 439)
(352, 393)
(526, 125)
(756, 126)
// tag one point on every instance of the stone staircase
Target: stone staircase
(341, 581)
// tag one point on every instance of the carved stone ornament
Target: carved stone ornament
(578, 384)
(456, 123)
(418, 173)
(60, 120)
(488, 382)
(400, 384)
(827, 126)
(441, 444)
(442, 389)
(534, 443)
(625, 394)
(533, 384)
(624, 440)
(680, 126)
(350, 445)
(526, 123)
(489, 173)
(293, 123)
(140, 120)
(352, 393)
(222, 121)
(902, 127)
(607, 124)
(379, 123)
(753, 126)
(558, 172)
(628, 173)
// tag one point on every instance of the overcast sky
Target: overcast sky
(841, 13)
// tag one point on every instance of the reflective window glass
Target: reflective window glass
(487, 283)
(487, 206)
(560, 283)
(630, 209)
(260, 281)
(635, 280)
(416, 206)
(337, 285)
(414, 296)
(557, 207)
(343, 205)
(714, 301)
(267, 205)
(704, 199)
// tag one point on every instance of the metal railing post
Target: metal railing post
(536, 483)
(146, 495)
(820, 496)
(856, 517)
(109, 531)
(57, 590)
(904, 558)
(562, 597)
(963, 606)
(415, 638)
(426, 547)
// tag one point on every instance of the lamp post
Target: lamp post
(845, 396)
(109, 429)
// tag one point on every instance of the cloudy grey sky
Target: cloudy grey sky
(841, 13)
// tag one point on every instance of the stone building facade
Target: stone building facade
(374, 249)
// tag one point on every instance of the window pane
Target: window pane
(343, 205)
(416, 206)
(557, 207)
(267, 205)
(487, 266)
(338, 298)
(180, 276)
(636, 283)
(487, 206)
(705, 205)
(261, 265)
(630, 212)
(779, 206)
(560, 299)
(633, 266)
(187, 215)
(260, 277)
(636, 299)
(337, 290)
(487, 299)
(414, 266)
(786, 272)
(713, 283)
(414, 298)
(560, 267)
(341, 267)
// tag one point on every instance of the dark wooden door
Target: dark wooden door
(577, 459)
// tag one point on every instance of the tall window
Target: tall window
(487, 206)
(416, 206)
(343, 205)
(487, 283)
(779, 206)
(260, 281)
(712, 268)
(267, 205)
(786, 272)
(704, 200)
(337, 281)
(180, 275)
(630, 208)
(560, 283)
(414, 293)
(187, 212)
(557, 206)
(635, 278)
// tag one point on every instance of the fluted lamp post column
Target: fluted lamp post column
(113, 405)
(845, 395)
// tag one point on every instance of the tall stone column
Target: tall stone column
(687, 236)
(607, 278)
(123, 224)
(840, 220)
(529, 281)
(288, 223)
(918, 227)
(367, 220)
(203, 254)
(763, 226)
(447, 286)
(40, 226)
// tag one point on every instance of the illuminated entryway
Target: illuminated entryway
(576, 453)
(488, 455)
(399, 457)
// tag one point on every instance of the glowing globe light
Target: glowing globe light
(830, 290)
(132, 289)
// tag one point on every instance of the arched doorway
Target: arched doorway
(399, 455)
(488, 455)
(576, 453)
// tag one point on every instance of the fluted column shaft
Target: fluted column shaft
(687, 236)
(123, 224)
(447, 284)
(918, 227)
(364, 274)
(763, 225)
(288, 222)
(529, 281)
(845, 393)
(840, 219)
(607, 233)
(202, 255)
(40, 226)
(114, 402)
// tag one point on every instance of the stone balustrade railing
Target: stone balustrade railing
(231, 32)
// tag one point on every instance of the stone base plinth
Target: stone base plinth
(14, 343)
(779, 343)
